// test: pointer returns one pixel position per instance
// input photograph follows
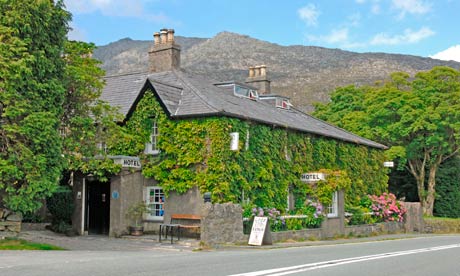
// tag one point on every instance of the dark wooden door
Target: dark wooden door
(98, 207)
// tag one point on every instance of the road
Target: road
(433, 255)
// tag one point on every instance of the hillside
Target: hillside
(306, 74)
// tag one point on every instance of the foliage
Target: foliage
(361, 214)
(87, 121)
(60, 205)
(32, 37)
(136, 211)
(193, 153)
(309, 216)
(18, 244)
(447, 202)
(417, 117)
(386, 208)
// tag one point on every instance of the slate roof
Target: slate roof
(188, 95)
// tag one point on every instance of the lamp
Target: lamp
(207, 197)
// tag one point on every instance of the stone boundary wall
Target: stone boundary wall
(10, 223)
(221, 224)
(441, 226)
(413, 218)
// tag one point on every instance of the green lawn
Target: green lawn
(17, 244)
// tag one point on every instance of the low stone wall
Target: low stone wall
(221, 224)
(10, 222)
(28, 226)
(441, 226)
(297, 235)
(374, 229)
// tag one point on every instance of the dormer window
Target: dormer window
(283, 103)
(245, 92)
(151, 148)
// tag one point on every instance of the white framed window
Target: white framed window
(155, 199)
(332, 210)
(283, 103)
(152, 147)
(241, 91)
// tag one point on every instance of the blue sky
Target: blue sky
(416, 27)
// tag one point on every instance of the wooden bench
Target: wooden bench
(178, 222)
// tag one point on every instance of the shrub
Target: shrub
(61, 206)
(386, 208)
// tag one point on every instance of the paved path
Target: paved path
(104, 243)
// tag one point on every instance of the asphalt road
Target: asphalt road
(434, 255)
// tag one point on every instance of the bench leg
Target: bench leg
(159, 236)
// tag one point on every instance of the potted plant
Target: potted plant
(135, 213)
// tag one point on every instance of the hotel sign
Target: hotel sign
(312, 177)
(127, 161)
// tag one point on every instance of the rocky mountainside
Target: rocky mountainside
(306, 74)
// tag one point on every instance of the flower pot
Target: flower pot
(136, 230)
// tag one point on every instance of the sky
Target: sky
(428, 28)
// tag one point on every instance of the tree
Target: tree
(87, 122)
(419, 119)
(32, 37)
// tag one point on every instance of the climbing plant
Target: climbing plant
(267, 166)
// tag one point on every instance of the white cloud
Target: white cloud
(121, 8)
(360, 1)
(336, 36)
(452, 53)
(408, 37)
(309, 14)
(411, 7)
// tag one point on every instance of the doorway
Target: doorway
(98, 208)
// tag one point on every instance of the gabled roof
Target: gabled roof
(187, 95)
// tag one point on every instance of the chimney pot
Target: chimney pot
(257, 70)
(251, 71)
(163, 36)
(263, 71)
(170, 36)
(156, 38)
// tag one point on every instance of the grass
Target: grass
(18, 244)
(442, 218)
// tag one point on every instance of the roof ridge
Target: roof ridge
(126, 74)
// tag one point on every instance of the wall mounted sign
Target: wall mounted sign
(260, 232)
(127, 161)
(115, 194)
(312, 177)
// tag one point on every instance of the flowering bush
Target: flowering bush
(387, 208)
(277, 222)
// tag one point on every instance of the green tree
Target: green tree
(88, 123)
(32, 37)
(419, 119)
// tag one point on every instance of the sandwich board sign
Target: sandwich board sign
(260, 232)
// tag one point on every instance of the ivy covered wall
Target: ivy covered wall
(269, 162)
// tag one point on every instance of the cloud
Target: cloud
(309, 14)
(408, 37)
(452, 53)
(120, 8)
(411, 7)
(335, 37)
(375, 9)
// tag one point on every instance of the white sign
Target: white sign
(234, 140)
(258, 230)
(389, 164)
(312, 177)
(127, 161)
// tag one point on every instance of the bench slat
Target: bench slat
(185, 216)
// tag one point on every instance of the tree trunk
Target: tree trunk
(428, 204)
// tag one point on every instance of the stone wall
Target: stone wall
(190, 202)
(441, 225)
(10, 222)
(413, 219)
(221, 224)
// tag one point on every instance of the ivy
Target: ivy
(268, 164)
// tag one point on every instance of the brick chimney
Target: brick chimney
(165, 54)
(258, 78)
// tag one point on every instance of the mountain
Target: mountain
(307, 74)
